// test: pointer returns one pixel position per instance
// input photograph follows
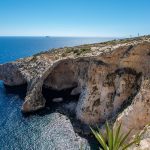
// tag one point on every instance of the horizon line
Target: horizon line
(49, 36)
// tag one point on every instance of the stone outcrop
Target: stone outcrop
(113, 80)
(144, 143)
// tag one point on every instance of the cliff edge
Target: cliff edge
(112, 80)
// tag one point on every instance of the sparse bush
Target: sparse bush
(81, 51)
(68, 50)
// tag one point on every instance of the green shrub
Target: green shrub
(115, 140)
(81, 51)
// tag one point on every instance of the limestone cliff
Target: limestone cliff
(112, 79)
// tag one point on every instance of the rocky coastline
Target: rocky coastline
(96, 82)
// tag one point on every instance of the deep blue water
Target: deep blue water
(12, 48)
(34, 132)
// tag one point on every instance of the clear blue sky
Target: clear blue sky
(75, 17)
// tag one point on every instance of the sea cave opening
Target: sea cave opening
(58, 97)
(61, 86)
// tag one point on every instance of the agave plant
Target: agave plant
(114, 139)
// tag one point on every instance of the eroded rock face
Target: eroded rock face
(11, 75)
(108, 95)
(137, 115)
(144, 141)
(109, 83)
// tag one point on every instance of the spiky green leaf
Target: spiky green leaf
(100, 139)
(128, 145)
(125, 137)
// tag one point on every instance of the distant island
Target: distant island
(47, 36)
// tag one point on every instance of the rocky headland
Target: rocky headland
(99, 82)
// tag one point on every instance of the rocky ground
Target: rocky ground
(97, 82)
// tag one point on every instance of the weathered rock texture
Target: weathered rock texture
(112, 78)
(144, 143)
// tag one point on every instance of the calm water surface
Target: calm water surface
(12, 48)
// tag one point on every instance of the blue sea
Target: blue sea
(18, 132)
(12, 48)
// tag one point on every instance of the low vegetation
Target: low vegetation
(114, 139)
(81, 51)
(75, 51)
